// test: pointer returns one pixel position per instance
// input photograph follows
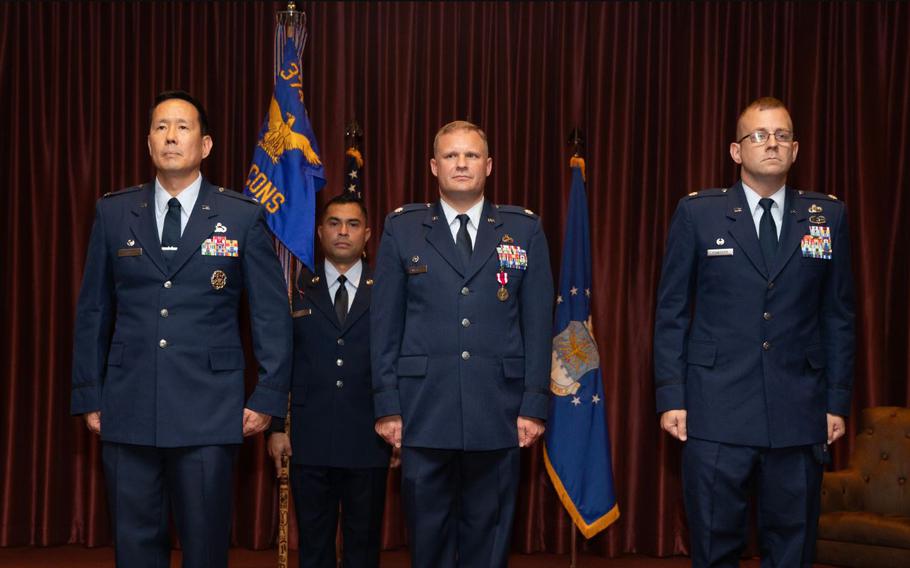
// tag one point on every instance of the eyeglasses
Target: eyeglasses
(759, 137)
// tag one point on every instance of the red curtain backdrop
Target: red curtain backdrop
(655, 87)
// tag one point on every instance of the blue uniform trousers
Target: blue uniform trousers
(465, 502)
(142, 481)
(718, 480)
(318, 491)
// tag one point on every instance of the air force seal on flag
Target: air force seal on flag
(574, 354)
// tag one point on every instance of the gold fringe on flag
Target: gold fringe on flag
(578, 162)
(355, 153)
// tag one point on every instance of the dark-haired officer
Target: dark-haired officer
(753, 347)
(461, 355)
(158, 361)
(336, 456)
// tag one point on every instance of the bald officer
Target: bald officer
(461, 331)
(158, 361)
(753, 347)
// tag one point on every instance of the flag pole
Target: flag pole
(289, 20)
(573, 558)
(576, 140)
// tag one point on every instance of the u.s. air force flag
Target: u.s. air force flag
(577, 447)
(287, 171)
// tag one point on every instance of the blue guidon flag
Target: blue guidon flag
(577, 445)
(287, 170)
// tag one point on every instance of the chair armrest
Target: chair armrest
(842, 490)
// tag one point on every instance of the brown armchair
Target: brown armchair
(865, 509)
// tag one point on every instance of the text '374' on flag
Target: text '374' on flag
(287, 171)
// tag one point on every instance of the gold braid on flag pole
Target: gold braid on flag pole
(290, 23)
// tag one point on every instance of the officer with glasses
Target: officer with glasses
(754, 347)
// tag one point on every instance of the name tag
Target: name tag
(417, 269)
(720, 252)
(301, 313)
(129, 252)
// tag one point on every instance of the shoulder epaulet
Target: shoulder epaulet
(124, 191)
(714, 192)
(817, 195)
(516, 209)
(411, 207)
(235, 195)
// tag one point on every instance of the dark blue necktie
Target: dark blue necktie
(463, 240)
(767, 232)
(170, 235)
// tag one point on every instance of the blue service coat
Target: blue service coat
(756, 355)
(157, 350)
(459, 364)
(332, 422)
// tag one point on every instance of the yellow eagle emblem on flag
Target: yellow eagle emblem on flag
(574, 354)
(279, 138)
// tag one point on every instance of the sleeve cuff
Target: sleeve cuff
(535, 405)
(276, 426)
(269, 401)
(386, 403)
(671, 397)
(839, 402)
(85, 399)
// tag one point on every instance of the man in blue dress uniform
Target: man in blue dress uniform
(158, 361)
(753, 347)
(461, 331)
(336, 456)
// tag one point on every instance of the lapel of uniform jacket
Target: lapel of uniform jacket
(198, 228)
(318, 290)
(795, 224)
(743, 226)
(440, 237)
(361, 300)
(144, 226)
(489, 235)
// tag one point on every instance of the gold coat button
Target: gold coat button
(465, 355)
(766, 316)
(163, 343)
(465, 291)
(168, 284)
(465, 322)
(766, 345)
(339, 383)
(163, 312)
(339, 362)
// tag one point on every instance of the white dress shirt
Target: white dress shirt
(777, 208)
(353, 280)
(187, 199)
(454, 224)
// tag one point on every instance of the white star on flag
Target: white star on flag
(588, 292)
(576, 401)
(559, 299)
(573, 290)
(595, 399)
(353, 174)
